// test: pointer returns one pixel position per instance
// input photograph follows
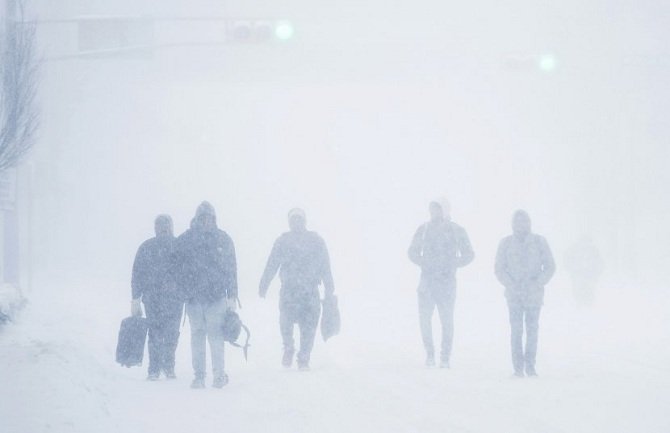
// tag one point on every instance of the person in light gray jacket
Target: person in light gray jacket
(524, 265)
(301, 257)
(439, 248)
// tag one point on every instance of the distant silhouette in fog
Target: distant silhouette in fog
(585, 265)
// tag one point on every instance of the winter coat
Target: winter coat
(205, 265)
(524, 266)
(152, 278)
(303, 263)
(440, 248)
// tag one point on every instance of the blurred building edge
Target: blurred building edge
(107, 36)
(15, 224)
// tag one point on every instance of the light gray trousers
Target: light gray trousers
(206, 322)
(444, 301)
(520, 315)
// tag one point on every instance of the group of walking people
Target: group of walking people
(198, 269)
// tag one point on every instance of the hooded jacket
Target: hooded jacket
(524, 265)
(205, 261)
(440, 248)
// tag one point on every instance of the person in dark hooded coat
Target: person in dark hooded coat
(153, 283)
(206, 269)
(524, 265)
(301, 257)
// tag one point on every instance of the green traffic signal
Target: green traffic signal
(284, 30)
(547, 63)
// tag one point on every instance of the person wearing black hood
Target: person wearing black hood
(439, 248)
(207, 276)
(154, 285)
(524, 265)
(302, 259)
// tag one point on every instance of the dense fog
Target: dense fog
(369, 111)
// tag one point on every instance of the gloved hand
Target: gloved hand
(231, 304)
(135, 308)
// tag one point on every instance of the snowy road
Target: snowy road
(597, 375)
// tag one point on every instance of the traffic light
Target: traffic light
(259, 31)
(284, 30)
(547, 63)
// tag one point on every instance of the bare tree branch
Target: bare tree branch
(19, 115)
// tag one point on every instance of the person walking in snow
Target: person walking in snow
(302, 259)
(439, 248)
(524, 265)
(153, 284)
(207, 275)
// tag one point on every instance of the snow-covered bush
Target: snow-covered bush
(11, 302)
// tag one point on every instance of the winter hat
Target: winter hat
(163, 222)
(205, 208)
(296, 211)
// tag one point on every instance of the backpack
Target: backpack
(232, 328)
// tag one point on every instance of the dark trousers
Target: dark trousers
(303, 310)
(518, 315)
(444, 301)
(163, 319)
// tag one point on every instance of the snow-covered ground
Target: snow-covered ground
(601, 370)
